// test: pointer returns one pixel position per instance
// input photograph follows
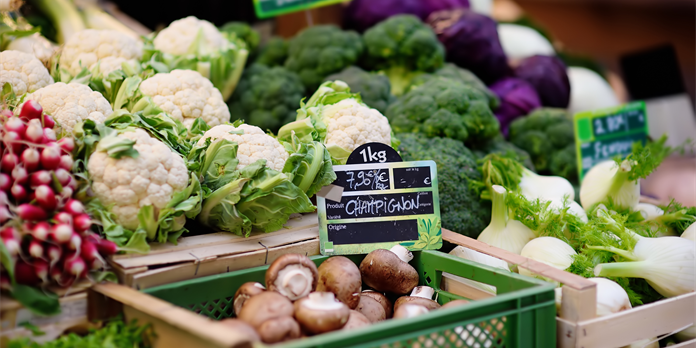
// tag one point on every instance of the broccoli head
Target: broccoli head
(267, 97)
(444, 107)
(464, 76)
(273, 53)
(498, 145)
(321, 50)
(244, 32)
(547, 134)
(402, 46)
(461, 210)
(374, 89)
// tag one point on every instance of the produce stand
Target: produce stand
(577, 325)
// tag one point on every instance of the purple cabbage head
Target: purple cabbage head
(361, 15)
(471, 42)
(549, 77)
(517, 98)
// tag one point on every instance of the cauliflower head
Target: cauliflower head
(253, 145)
(72, 103)
(23, 71)
(180, 34)
(350, 124)
(88, 47)
(132, 183)
(186, 95)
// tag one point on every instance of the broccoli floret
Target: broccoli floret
(464, 76)
(244, 32)
(445, 107)
(273, 53)
(267, 97)
(319, 51)
(499, 146)
(402, 46)
(547, 134)
(461, 210)
(374, 89)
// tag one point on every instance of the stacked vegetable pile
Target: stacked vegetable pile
(301, 300)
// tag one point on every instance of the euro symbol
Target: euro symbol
(427, 181)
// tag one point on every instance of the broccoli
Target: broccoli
(244, 32)
(461, 210)
(402, 46)
(273, 53)
(267, 97)
(499, 146)
(319, 51)
(548, 136)
(374, 89)
(462, 75)
(445, 108)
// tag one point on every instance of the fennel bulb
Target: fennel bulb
(573, 208)
(687, 334)
(473, 255)
(648, 211)
(666, 263)
(589, 91)
(545, 187)
(611, 297)
(549, 250)
(608, 181)
(502, 232)
(520, 42)
(690, 232)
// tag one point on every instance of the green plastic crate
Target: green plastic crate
(523, 314)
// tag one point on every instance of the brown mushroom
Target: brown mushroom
(389, 271)
(356, 320)
(454, 303)
(409, 311)
(383, 300)
(421, 295)
(279, 329)
(341, 276)
(321, 312)
(244, 292)
(265, 306)
(292, 275)
(242, 327)
(371, 308)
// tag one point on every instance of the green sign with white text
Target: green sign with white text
(603, 134)
(272, 8)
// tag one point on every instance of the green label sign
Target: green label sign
(603, 134)
(380, 205)
(272, 8)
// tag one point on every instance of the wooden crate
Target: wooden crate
(215, 253)
(577, 325)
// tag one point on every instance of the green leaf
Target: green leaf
(35, 330)
(7, 261)
(117, 147)
(104, 276)
(420, 245)
(36, 300)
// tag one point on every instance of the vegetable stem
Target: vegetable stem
(633, 269)
(620, 178)
(623, 253)
(499, 211)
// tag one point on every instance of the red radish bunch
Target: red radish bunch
(44, 229)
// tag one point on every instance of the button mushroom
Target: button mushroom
(244, 292)
(321, 312)
(270, 313)
(341, 276)
(454, 303)
(371, 308)
(389, 271)
(292, 275)
(356, 320)
(242, 327)
(409, 311)
(421, 295)
(279, 329)
(383, 300)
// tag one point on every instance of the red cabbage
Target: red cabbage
(471, 42)
(549, 77)
(361, 15)
(517, 98)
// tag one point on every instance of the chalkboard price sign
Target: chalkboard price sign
(382, 205)
(603, 134)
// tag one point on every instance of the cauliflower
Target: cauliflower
(71, 103)
(23, 71)
(36, 45)
(132, 183)
(180, 34)
(350, 124)
(253, 145)
(90, 46)
(186, 95)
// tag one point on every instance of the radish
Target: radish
(74, 207)
(41, 269)
(49, 122)
(82, 223)
(54, 252)
(67, 144)
(11, 239)
(31, 212)
(5, 183)
(20, 194)
(11, 140)
(5, 114)
(31, 110)
(30, 159)
(95, 264)
(89, 251)
(105, 247)
(42, 177)
(75, 265)
(19, 175)
(63, 176)
(62, 233)
(3, 198)
(15, 124)
(5, 283)
(75, 242)
(72, 184)
(41, 230)
(66, 162)
(9, 161)
(63, 217)
(46, 198)
(25, 273)
(4, 214)
(34, 132)
(50, 158)
(58, 276)
(36, 249)
(66, 193)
